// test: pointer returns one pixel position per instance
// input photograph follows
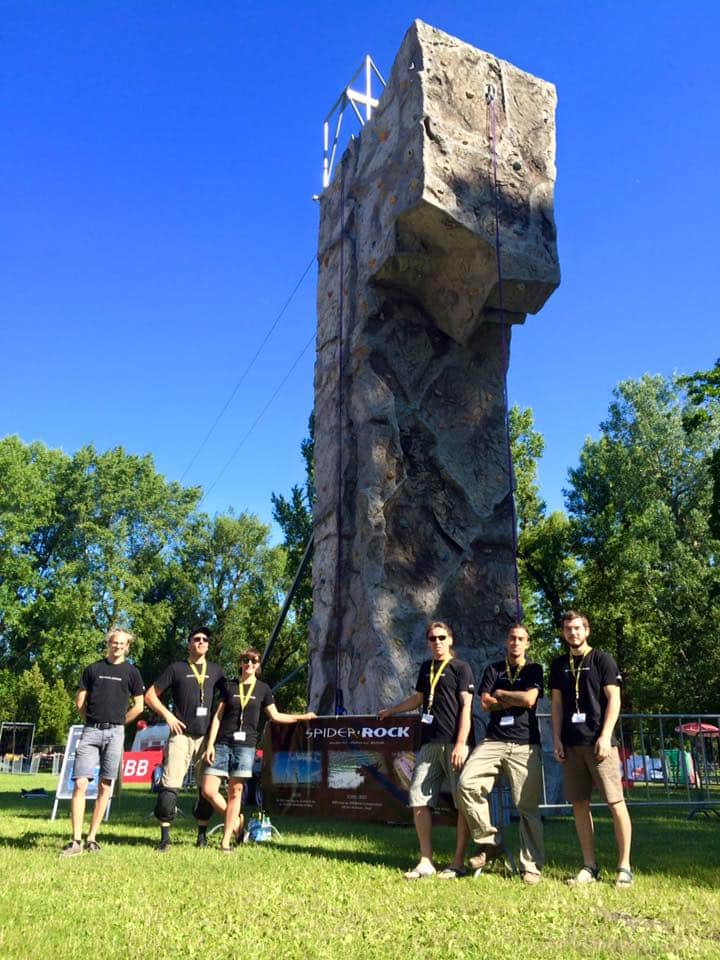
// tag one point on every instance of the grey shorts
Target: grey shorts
(99, 748)
(432, 767)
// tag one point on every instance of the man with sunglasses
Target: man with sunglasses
(444, 689)
(192, 685)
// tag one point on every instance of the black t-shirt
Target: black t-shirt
(261, 697)
(513, 724)
(109, 687)
(184, 689)
(455, 679)
(598, 670)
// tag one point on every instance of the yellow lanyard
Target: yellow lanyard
(508, 671)
(245, 698)
(434, 678)
(200, 677)
(576, 671)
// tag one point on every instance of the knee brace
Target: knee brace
(203, 808)
(165, 805)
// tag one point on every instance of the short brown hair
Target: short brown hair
(252, 652)
(518, 626)
(574, 615)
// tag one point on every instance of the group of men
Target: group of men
(585, 685)
(106, 688)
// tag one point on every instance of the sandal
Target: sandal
(452, 873)
(624, 878)
(227, 849)
(585, 876)
(420, 872)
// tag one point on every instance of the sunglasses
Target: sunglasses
(199, 640)
(438, 636)
(249, 660)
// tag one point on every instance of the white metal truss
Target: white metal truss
(356, 99)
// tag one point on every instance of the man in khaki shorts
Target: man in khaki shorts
(585, 707)
(444, 689)
(509, 691)
(192, 684)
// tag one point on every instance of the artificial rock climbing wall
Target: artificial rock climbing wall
(413, 519)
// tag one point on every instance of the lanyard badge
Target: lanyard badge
(244, 698)
(579, 715)
(200, 676)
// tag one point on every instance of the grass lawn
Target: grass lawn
(335, 890)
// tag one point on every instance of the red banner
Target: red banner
(138, 767)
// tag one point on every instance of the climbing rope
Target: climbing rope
(490, 98)
(339, 705)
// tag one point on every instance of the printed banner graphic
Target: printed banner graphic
(352, 768)
(138, 767)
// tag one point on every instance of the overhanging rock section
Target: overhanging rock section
(413, 519)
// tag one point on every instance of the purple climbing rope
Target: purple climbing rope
(490, 97)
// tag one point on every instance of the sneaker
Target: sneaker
(624, 878)
(201, 841)
(72, 849)
(92, 847)
(584, 876)
(531, 879)
(163, 846)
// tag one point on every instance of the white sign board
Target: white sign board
(65, 784)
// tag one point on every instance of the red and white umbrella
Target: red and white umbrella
(695, 728)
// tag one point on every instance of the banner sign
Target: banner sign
(351, 768)
(138, 766)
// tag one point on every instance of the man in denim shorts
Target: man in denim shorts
(585, 708)
(444, 690)
(102, 701)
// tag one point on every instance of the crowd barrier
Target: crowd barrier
(668, 759)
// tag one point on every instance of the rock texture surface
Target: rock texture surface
(413, 520)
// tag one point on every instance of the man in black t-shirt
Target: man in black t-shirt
(509, 690)
(585, 707)
(192, 684)
(444, 690)
(102, 701)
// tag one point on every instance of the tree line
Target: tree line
(93, 539)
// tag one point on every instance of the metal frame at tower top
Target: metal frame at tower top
(355, 99)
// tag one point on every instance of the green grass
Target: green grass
(334, 890)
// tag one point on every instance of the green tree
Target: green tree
(294, 516)
(82, 541)
(238, 577)
(639, 503)
(48, 706)
(703, 388)
(546, 563)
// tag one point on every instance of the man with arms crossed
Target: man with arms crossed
(444, 690)
(585, 707)
(509, 691)
(102, 702)
(192, 684)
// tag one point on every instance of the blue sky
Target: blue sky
(157, 169)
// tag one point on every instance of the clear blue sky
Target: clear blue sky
(156, 172)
